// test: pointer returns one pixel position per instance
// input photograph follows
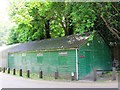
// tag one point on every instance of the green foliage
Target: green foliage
(83, 16)
(92, 36)
(12, 39)
(63, 18)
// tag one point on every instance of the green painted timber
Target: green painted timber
(47, 61)
(94, 54)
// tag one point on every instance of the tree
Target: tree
(83, 16)
(39, 20)
(12, 39)
(107, 22)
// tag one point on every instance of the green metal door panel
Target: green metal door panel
(26, 61)
(71, 61)
(88, 61)
(31, 61)
(53, 59)
(48, 61)
(39, 59)
(84, 63)
(63, 64)
(32, 56)
(11, 60)
(102, 54)
(18, 64)
(39, 62)
(81, 64)
(62, 60)
(67, 62)
(53, 62)
(99, 56)
(45, 67)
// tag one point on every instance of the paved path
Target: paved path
(9, 81)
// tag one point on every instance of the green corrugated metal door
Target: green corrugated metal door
(81, 64)
(32, 56)
(84, 63)
(88, 61)
(66, 63)
(24, 62)
(39, 61)
(17, 60)
(50, 62)
(63, 65)
(53, 62)
(11, 60)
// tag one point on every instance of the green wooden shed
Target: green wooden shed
(74, 53)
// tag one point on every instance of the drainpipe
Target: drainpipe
(76, 64)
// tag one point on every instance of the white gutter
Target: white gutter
(76, 64)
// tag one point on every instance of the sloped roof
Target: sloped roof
(6, 48)
(67, 42)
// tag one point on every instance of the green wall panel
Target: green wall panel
(94, 54)
(11, 60)
(47, 61)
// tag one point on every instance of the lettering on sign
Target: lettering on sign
(40, 54)
(63, 53)
(82, 56)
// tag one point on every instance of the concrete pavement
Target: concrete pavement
(9, 81)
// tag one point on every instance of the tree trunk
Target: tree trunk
(113, 30)
(47, 29)
(66, 32)
(64, 28)
(69, 23)
(70, 26)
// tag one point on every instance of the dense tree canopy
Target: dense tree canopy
(40, 20)
(107, 22)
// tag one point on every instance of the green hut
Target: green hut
(78, 54)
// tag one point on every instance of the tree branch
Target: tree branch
(115, 8)
(63, 25)
(116, 30)
(116, 34)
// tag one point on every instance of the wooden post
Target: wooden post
(8, 70)
(4, 70)
(56, 75)
(118, 80)
(94, 75)
(41, 74)
(28, 73)
(0, 69)
(113, 73)
(14, 71)
(72, 76)
(20, 72)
